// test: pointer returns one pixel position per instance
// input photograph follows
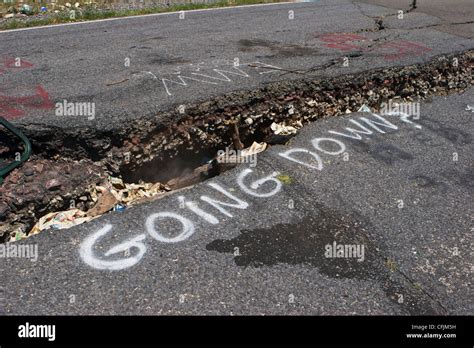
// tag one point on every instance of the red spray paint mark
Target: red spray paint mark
(14, 64)
(340, 41)
(404, 48)
(12, 107)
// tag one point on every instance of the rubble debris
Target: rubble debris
(104, 203)
(18, 233)
(130, 194)
(284, 129)
(228, 159)
(278, 139)
(42, 186)
(114, 195)
(60, 220)
(364, 108)
(236, 136)
(120, 207)
(239, 156)
(196, 176)
(205, 127)
(253, 149)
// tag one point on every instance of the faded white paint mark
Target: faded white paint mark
(240, 204)
(199, 212)
(187, 227)
(181, 75)
(374, 124)
(267, 67)
(258, 183)
(223, 74)
(354, 133)
(287, 154)
(147, 73)
(404, 118)
(342, 146)
(87, 253)
(182, 83)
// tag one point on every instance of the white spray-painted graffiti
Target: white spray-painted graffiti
(263, 187)
(187, 226)
(212, 75)
(88, 257)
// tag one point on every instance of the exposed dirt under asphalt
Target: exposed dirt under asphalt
(68, 163)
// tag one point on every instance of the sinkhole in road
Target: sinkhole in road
(68, 165)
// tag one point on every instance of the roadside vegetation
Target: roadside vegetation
(24, 16)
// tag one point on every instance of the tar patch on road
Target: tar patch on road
(166, 59)
(306, 242)
(454, 135)
(276, 49)
(383, 152)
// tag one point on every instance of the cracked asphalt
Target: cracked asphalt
(404, 192)
(136, 68)
(455, 18)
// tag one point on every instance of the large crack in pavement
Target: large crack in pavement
(68, 164)
(267, 243)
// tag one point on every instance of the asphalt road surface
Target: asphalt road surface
(456, 15)
(134, 68)
(401, 188)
